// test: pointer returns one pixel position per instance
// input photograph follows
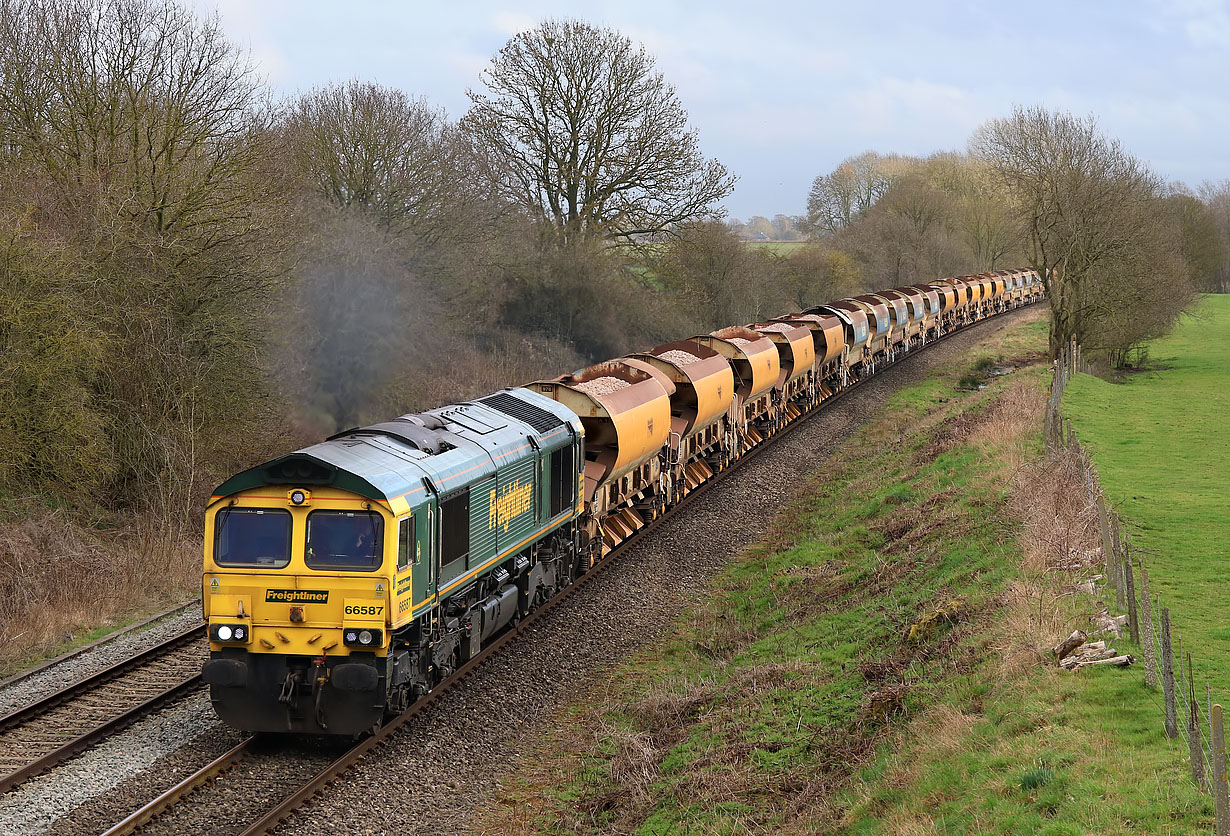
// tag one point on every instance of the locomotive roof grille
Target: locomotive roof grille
(536, 417)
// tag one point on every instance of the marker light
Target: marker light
(298, 497)
(357, 637)
(224, 633)
(239, 633)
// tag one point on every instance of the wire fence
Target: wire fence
(1188, 711)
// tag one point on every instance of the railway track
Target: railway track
(40, 735)
(272, 770)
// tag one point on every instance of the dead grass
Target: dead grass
(59, 578)
(1061, 548)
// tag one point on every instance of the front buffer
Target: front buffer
(265, 692)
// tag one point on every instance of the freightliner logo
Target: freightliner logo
(296, 596)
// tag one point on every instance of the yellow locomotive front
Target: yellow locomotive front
(297, 584)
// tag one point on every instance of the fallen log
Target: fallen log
(1074, 662)
(1065, 647)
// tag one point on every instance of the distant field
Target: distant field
(779, 247)
(1161, 442)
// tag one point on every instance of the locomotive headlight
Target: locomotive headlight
(365, 637)
(228, 633)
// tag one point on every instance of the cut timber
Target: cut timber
(1110, 624)
(1065, 647)
(1116, 661)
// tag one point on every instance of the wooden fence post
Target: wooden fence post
(1133, 627)
(1172, 724)
(1107, 551)
(1116, 546)
(1221, 802)
(1195, 751)
(1149, 637)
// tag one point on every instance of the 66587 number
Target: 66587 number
(355, 609)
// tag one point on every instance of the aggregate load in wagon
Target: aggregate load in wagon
(602, 385)
(679, 358)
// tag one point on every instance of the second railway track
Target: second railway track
(44, 733)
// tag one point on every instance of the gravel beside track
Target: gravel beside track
(42, 804)
(65, 673)
(449, 761)
(32, 740)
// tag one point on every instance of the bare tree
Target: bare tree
(1095, 233)
(375, 149)
(581, 132)
(838, 198)
(812, 275)
(980, 214)
(721, 278)
(1200, 242)
(1216, 197)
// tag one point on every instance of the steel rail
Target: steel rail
(44, 704)
(314, 786)
(85, 648)
(203, 775)
(82, 687)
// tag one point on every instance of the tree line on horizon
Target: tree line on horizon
(1123, 251)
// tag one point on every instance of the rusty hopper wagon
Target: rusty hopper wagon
(756, 366)
(701, 440)
(796, 362)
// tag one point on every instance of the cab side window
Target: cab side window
(405, 543)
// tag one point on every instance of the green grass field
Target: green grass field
(875, 665)
(1161, 444)
(782, 248)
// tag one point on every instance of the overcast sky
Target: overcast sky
(781, 92)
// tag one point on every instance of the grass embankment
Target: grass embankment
(1161, 444)
(879, 664)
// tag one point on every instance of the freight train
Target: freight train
(345, 580)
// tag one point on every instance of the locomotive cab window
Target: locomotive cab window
(563, 481)
(350, 541)
(252, 538)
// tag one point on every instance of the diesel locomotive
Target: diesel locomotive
(345, 580)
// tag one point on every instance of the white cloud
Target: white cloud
(1206, 22)
(511, 23)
